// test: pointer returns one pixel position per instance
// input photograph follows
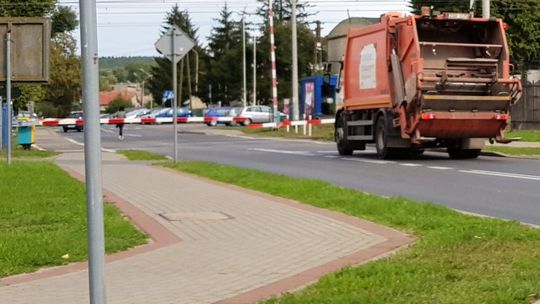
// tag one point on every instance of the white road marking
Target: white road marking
(282, 139)
(410, 165)
(133, 135)
(81, 144)
(302, 153)
(369, 161)
(327, 152)
(440, 168)
(74, 141)
(331, 156)
(502, 174)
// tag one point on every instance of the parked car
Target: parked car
(168, 112)
(136, 113)
(212, 113)
(257, 114)
(76, 115)
(180, 112)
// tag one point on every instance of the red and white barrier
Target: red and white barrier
(54, 122)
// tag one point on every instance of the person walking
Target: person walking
(121, 114)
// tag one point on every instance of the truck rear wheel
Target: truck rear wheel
(381, 140)
(344, 147)
(457, 153)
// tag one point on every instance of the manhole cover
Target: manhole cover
(195, 216)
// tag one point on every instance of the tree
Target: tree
(283, 8)
(225, 50)
(283, 38)
(118, 104)
(522, 17)
(161, 79)
(64, 19)
(64, 88)
(26, 8)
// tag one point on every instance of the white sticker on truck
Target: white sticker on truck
(368, 67)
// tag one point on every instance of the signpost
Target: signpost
(174, 44)
(25, 58)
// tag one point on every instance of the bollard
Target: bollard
(309, 126)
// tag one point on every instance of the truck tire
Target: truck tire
(457, 153)
(344, 147)
(381, 139)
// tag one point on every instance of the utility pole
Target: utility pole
(294, 63)
(244, 72)
(8, 97)
(196, 71)
(189, 83)
(92, 152)
(318, 46)
(175, 92)
(486, 9)
(254, 70)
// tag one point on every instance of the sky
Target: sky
(131, 27)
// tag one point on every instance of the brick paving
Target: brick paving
(254, 245)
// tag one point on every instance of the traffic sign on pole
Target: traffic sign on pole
(182, 44)
(174, 44)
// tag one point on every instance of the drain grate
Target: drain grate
(196, 216)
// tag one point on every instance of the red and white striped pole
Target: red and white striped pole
(273, 59)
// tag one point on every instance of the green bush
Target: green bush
(117, 104)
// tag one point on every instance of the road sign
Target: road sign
(168, 95)
(182, 44)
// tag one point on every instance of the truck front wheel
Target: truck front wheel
(344, 147)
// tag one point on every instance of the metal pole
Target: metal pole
(254, 70)
(92, 151)
(175, 93)
(294, 62)
(244, 90)
(273, 60)
(8, 96)
(189, 82)
(486, 9)
(196, 70)
(142, 95)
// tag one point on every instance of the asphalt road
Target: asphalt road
(493, 186)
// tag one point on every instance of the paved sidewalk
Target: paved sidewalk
(237, 246)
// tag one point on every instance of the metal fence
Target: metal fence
(526, 112)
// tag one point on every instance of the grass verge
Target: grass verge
(19, 152)
(141, 155)
(322, 132)
(525, 135)
(43, 218)
(457, 258)
(518, 151)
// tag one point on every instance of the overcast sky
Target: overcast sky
(131, 27)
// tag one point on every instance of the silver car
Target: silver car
(256, 114)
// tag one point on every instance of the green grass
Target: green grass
(43, 217)
(456, 259)
(322, 132)
(141, 155)
(525, 135)
(18, 152)
(513, 150)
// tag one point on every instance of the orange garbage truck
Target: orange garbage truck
(416, 82)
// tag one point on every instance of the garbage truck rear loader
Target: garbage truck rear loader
(417, 82)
